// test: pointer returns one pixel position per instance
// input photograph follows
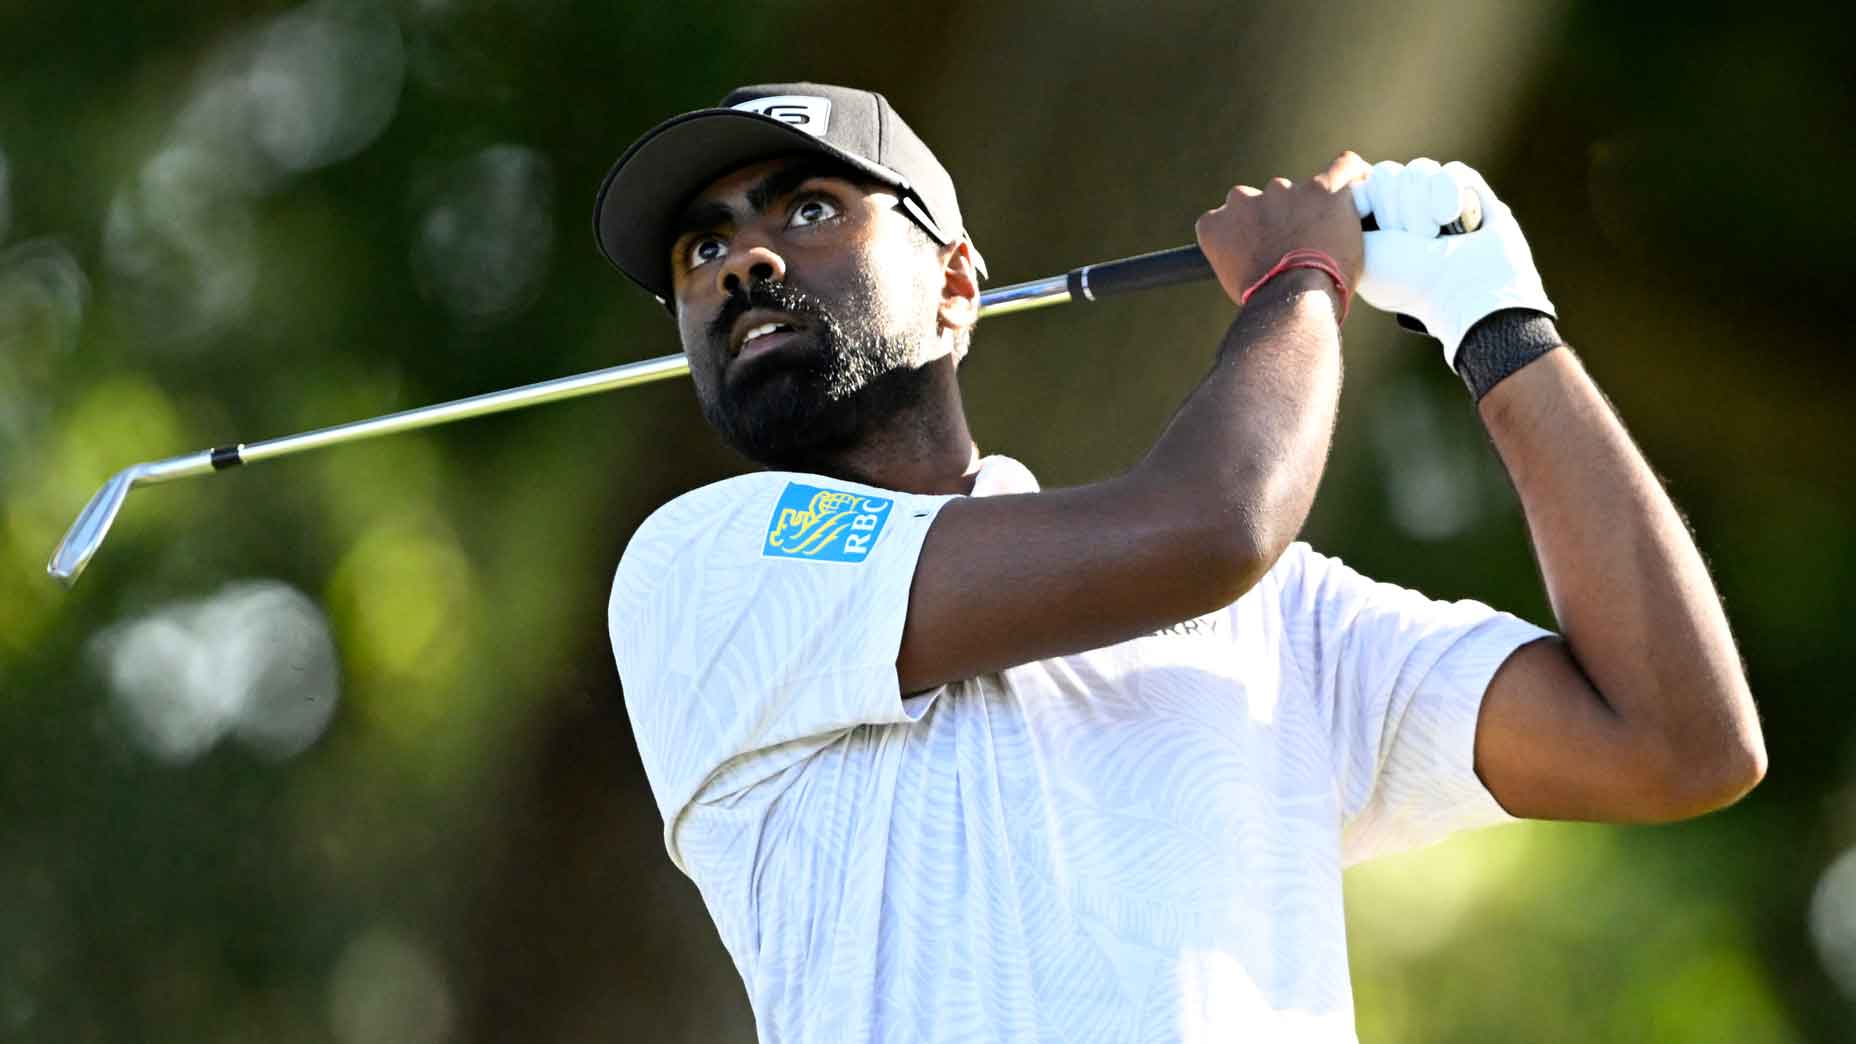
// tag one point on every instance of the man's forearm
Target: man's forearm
(1183, 533)
(1245, 452)
(1006, 580)
(1628, 586)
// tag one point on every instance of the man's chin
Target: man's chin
(780, 420)
(789, 409)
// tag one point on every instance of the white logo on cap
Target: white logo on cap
(808, 113)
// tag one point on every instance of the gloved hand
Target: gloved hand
(1446, 282)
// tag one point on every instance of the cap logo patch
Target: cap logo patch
(807, 112)
(825, 525)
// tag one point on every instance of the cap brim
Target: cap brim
(646, 189)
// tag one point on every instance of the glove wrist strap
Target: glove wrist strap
(1318, 260)
(1500, 344)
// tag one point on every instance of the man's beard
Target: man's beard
(802, 405)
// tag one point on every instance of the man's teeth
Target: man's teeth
(763, 330)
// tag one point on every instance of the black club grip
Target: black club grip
(1187, 264)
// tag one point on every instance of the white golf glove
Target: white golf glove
(1446, 282)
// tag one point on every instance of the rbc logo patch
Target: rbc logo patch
(825, 525)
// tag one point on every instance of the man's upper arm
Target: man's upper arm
(1007, 580)
(756, 619)
(1549, 747)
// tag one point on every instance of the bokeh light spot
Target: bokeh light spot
(404, 597)
(120, 420)
(325, 82)
(486, 234)
(181, 242)
(387, 988)
(255, 660)
(1716, 993)
(291, 94)
(43, 293)
(1833, 921)
(390, 478)
(294, 93)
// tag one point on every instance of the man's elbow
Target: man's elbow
(1699, 778)
(1237, 553)
(1212, 545)
(1745, 767)
(1735, 771)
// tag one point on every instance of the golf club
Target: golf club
(1089, 283)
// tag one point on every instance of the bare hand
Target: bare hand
(1246, 236)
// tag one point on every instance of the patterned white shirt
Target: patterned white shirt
(1139, 843)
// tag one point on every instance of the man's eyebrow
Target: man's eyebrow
(700, 217)
(782, 182)
(775, 186)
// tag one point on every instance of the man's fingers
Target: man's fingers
(1346, 169)
(1471, 178)
(1385, 188)
(1430, 196)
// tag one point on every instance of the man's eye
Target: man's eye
(813, 211)
(705, 250)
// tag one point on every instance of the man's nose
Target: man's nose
(754, 264)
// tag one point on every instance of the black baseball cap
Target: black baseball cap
(650, 184)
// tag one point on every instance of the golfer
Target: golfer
(954, 758)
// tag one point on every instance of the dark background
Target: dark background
(333, 748)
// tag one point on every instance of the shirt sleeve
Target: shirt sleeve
(756, 620)
(1400, 679)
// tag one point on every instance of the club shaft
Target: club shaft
(593, 382)
(92, 524)
(1039, 293)
(1089, 283)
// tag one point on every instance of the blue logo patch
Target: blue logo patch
(825, 525)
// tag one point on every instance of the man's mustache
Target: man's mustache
(775, 296)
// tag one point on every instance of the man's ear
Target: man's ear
(960, 287)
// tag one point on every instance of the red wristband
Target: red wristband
(1315, 259)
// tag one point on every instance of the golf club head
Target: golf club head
(92, 525)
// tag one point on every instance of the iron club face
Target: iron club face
(86, 535)
(93, 524)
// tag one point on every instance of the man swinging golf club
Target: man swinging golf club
(952, 758)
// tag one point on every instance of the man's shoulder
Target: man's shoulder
(746, 512)
(691, 519)
(705, 502)
(664, 560)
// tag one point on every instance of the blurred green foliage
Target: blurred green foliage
(225, 221)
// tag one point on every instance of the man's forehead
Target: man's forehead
(739, 180)
(762, 181)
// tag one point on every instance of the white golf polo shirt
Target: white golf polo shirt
(1139, 843)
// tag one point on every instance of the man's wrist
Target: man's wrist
(1295, 282)
(1501, 343)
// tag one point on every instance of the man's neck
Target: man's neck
(924, 449)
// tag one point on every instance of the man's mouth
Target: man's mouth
(759, 332)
